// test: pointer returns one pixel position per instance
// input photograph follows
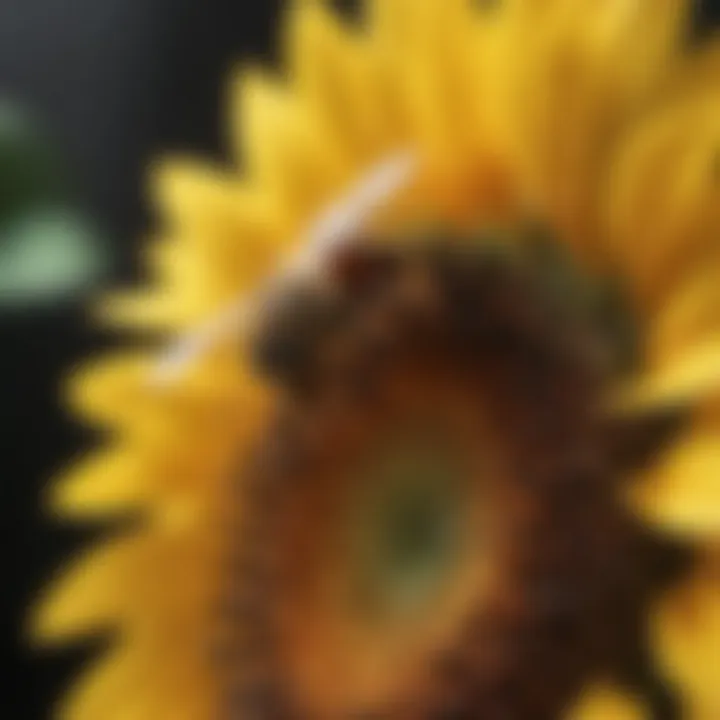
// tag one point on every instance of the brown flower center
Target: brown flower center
(431, 527)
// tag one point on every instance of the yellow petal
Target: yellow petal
(390, 20)
(109, 482)
(682, 491)
(149, 309)
(128, 388)
(605, 703)
(686, 378)
(217, 223)
(333, 68)
(662, 194)
(691, 312)
(686, 634)
(283, 149)
(108, 690)
(129, 684)
(586, 66)
(180, 301)
(191, 192)
(111, 389)
(156, 583)
(90, 595)
(435, 79)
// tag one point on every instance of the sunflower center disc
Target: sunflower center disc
(430, 529)
(404, 529)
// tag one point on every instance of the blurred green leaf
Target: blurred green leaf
(29, 172)
(48, 255)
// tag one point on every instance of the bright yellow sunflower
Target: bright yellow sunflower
(439, 436)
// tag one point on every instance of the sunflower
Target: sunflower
(439, 435)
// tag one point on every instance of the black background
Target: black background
(116, 82)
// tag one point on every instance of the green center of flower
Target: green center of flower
(407, 529)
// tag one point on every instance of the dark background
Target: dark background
(116, 82)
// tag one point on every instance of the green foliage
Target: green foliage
(28, 169)
(48, 250)
(46, 254)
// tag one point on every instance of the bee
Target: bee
(302, 298)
